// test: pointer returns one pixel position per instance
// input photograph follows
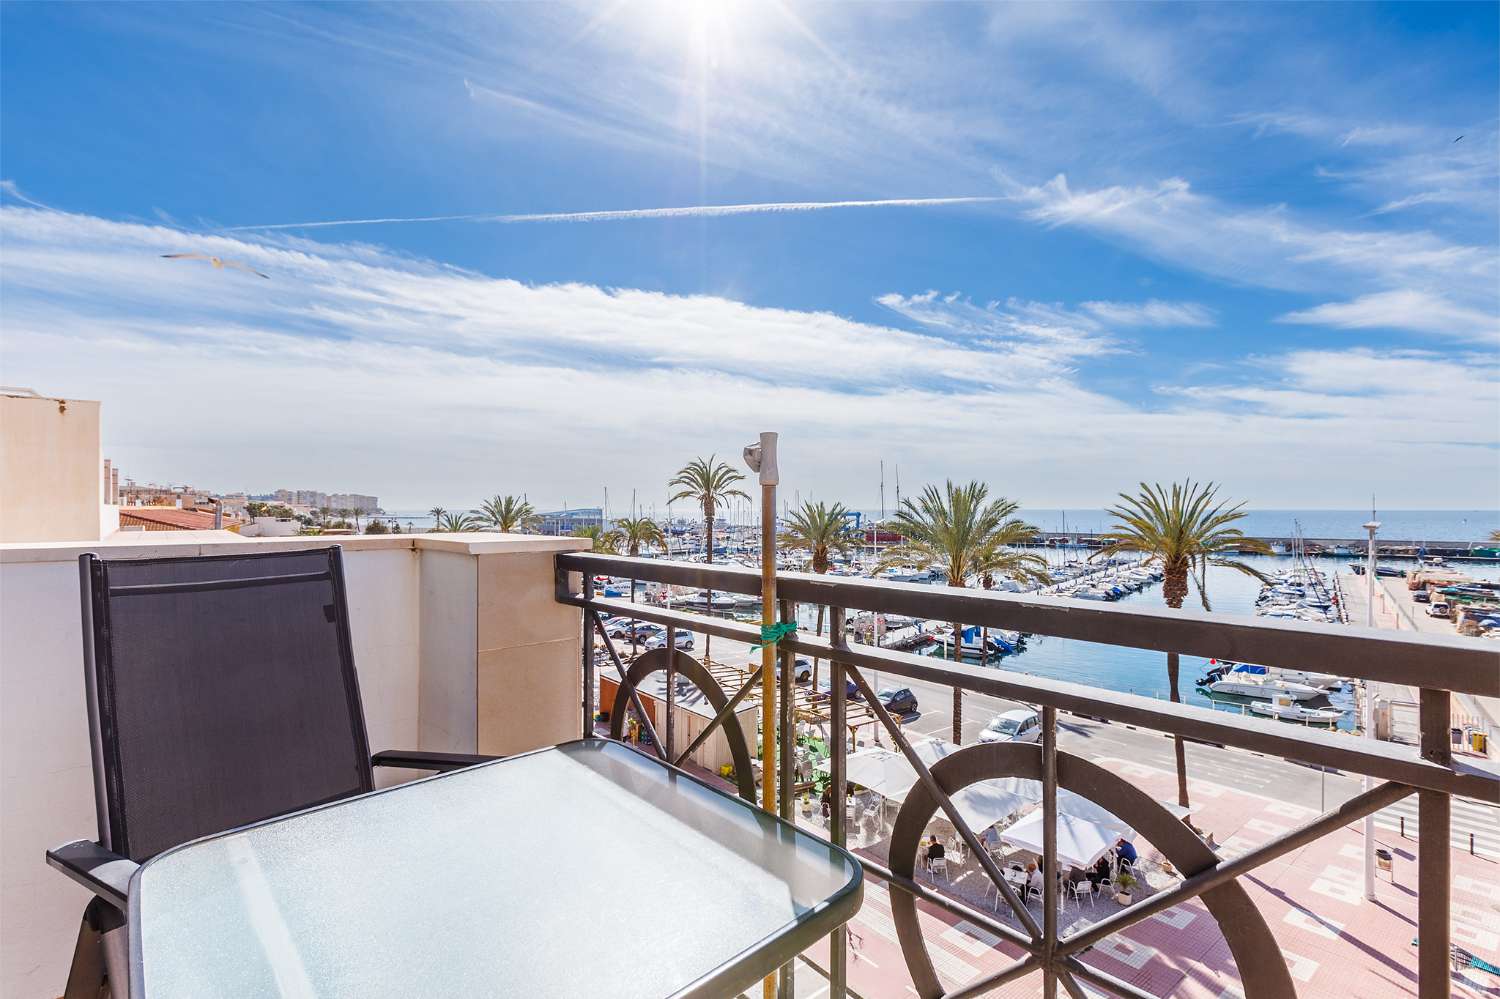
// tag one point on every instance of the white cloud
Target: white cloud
(356, 368)
(1402, 309)
(1152, 313)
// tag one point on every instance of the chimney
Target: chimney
(114, 485)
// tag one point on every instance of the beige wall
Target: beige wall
(415, 606)
(51, 469)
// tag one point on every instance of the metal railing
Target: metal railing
(1438, 665)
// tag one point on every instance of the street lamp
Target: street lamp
(1368, 713)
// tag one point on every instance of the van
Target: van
(1438, 608)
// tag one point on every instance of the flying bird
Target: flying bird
(1460, 137)
(219, 262)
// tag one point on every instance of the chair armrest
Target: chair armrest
(104, 873)
(413, 760)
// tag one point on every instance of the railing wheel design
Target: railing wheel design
(698, 675)
(1263, 971)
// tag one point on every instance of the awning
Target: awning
(981, 805)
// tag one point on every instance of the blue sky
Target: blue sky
(1236, 242)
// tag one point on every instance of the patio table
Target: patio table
(586, 868)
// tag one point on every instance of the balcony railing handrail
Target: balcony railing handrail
(1436, 662)
(1436, 665)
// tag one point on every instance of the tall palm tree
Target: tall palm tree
(1184, 531)
(961, 530)
(508, 514)
(634, 533)
(456, 522)
(436, 513)
(1002, 560)
(707, 482)
(820, 530)
(604, 542)
(1495, 536)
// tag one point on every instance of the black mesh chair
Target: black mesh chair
(221, 691)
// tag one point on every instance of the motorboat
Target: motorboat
(1282, 706)
(1262, 686)
(722, 600)
(993, 645)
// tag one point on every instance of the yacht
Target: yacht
(1262, 686)
(1285, 708)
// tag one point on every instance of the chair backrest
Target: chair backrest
(221, 691)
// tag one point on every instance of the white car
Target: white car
(1018, 725)
(684, 640)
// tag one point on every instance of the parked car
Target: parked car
(684, 640)
(1421, 596)
(1438, 608)
(898, 700)
(801, 671)
(825, 690)
(1016, 725)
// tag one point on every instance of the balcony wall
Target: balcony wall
(458, 643)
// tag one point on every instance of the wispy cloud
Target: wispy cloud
(1152, 313)
(626, 214)
(1403, 309)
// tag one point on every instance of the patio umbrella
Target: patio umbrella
(1080, 841)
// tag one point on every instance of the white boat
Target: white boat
(722, 600)
(1327, 681)
(1283, 707)
(1263, 687)
(905, 574)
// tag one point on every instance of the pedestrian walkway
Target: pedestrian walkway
(1469, 818)
(1336, 944)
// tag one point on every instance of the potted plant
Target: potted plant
(1125, 883)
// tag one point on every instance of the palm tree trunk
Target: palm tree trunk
(1174, 588)
(958, 692)
(1179, 749)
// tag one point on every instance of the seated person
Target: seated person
(1099, 871)
(934, 850)
(1033, 877)
(1125, 850)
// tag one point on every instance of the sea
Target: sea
(1143, 672)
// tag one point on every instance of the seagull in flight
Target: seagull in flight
(1460, 137)
(219, 262)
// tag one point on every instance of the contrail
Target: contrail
(699, 211)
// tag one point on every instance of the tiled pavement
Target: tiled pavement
(1336, 944)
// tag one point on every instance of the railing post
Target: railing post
(838, 737)
(588, 659)
(1049, 851)
(786, 739)
(1433, 859)
(671, 692)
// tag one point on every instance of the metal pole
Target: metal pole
(786, 744)
(838, 941)
(1434, 860)
(671, 691)
(762, 459)
(1049, 851)
(1367, 711)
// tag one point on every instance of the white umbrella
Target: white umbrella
(1080, 841)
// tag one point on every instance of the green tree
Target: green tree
(604, 542)
(636, 532)
(255, 509)
(377, 526)
(456, 522)
(437, 514)
(508, 514)
(960, 530)
(1184, 531)
(820, 530)
(707, 482)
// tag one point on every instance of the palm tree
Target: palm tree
(707, 482)
(819, 529)
(635, 532)
(1003, 560)
(1495, 536)
(604, 542)
(508, 514)
(963, 531)
(436, 513)
(456, 522)
(1184, 531)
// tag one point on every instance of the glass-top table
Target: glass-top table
(584, 869)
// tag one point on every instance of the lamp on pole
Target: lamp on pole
(761, 459)
(1367, 718)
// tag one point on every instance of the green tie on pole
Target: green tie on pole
(773, 633)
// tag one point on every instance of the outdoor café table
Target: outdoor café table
(584, 869)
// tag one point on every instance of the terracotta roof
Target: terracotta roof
(165, 518)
